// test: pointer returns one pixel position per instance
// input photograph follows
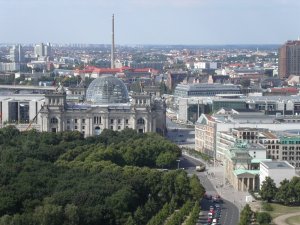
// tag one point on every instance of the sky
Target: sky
(137, 22)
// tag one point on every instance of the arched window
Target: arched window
(140, 121)
(53, 120)
(97, 130)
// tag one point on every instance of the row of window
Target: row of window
(97, 120)
(273, 147)
(140, 101)
(290, 142)
(290, 158)
(119, 127)
(54, 101)
(291, 148)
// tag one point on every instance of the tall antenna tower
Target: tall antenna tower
(112, 54)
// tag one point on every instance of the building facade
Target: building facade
(16, 54)
(277, 170)
(107, 106)
(205, 135)
(289, 59)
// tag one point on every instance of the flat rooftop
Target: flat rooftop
(278, 165)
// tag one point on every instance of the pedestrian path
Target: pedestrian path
(216, 175)
(280, 220)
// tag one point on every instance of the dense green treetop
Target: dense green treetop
(62, 178)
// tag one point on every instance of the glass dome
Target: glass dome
(106, 90)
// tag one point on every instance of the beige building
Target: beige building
(205, 135)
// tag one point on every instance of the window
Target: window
(75, 127)
(141, 121)
(126, 121)
(54, 120)
(119, 127)
(68, 121)
(83, 127)
(75, 120)
(111, 127)
(119, 121)
(112, 121)
(83, 120)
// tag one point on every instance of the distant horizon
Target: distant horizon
(109, 44)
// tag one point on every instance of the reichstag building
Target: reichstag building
(107, 105)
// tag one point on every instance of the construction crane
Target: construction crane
(34, 118)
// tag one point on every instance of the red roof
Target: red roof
(288, 89)
(93, 69)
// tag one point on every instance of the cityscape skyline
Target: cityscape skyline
(145, 22)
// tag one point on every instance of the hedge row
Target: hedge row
(179, 216)
(163, 214)
(193, 218)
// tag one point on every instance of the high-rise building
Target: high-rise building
(47, 49)
(289, 59)
(39, 50)
(16, 54)
(42, 50)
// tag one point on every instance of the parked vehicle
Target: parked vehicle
(200, 168)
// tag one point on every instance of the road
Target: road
(229, 214)
(184, 136)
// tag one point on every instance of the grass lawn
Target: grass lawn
(293, 220)
(282, 210)
(279, 210)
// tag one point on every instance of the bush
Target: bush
(267, 206)
(263, 218)
(192, 220)
(163, 214)
(178, 217)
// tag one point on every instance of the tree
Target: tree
(268, 189)
(263, 218)
(197, 190)
(284, 194)
(49, 214)
(246, 215)
(165, 159)
(294, 190)
(71, 214)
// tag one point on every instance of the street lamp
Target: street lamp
(178, 160)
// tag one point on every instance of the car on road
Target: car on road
(217, 199)
(209, 220)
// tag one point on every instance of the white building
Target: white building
(277, 170)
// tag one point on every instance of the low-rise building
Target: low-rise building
(277, 170)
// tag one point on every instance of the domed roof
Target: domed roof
(107, 89)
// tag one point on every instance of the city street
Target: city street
(230, 212)
(184, 136)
